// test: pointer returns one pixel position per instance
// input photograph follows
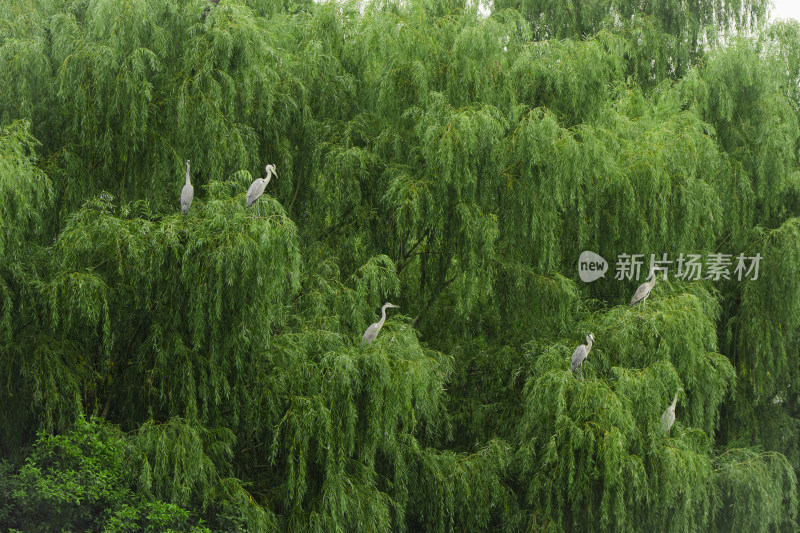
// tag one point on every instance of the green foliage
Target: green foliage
(25, 191)
(767, 329)
(25, 194)
(450, 162)
(593, 451)
(736, 471)
(78, 482)
(666, 37)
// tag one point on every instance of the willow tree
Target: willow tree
(664, 38)
(453, 163)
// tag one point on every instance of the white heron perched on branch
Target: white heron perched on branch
(187, 194)
(257, 187)
(580, 354)
(668, 418)
(644, 289)
(373, 329)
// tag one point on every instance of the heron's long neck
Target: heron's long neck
(383, 317)
(675, 400)
(187, 175)
(588, 345)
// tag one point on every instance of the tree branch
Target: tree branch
(410, 255)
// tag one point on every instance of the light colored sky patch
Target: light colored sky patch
(783, 9)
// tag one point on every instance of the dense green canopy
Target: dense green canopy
(203, 372)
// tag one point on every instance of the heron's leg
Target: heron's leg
(581, 369)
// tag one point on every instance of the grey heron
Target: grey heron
(373, 329)
(580, 354)
(257, 187)
(668, 418)
(644, 289)
(187, 194)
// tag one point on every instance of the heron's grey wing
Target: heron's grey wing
(187, 195)
(667, 419)
(370, 334)
(255, 190)
(640, 294)
(577, 357)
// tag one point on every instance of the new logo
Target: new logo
(591, 267)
